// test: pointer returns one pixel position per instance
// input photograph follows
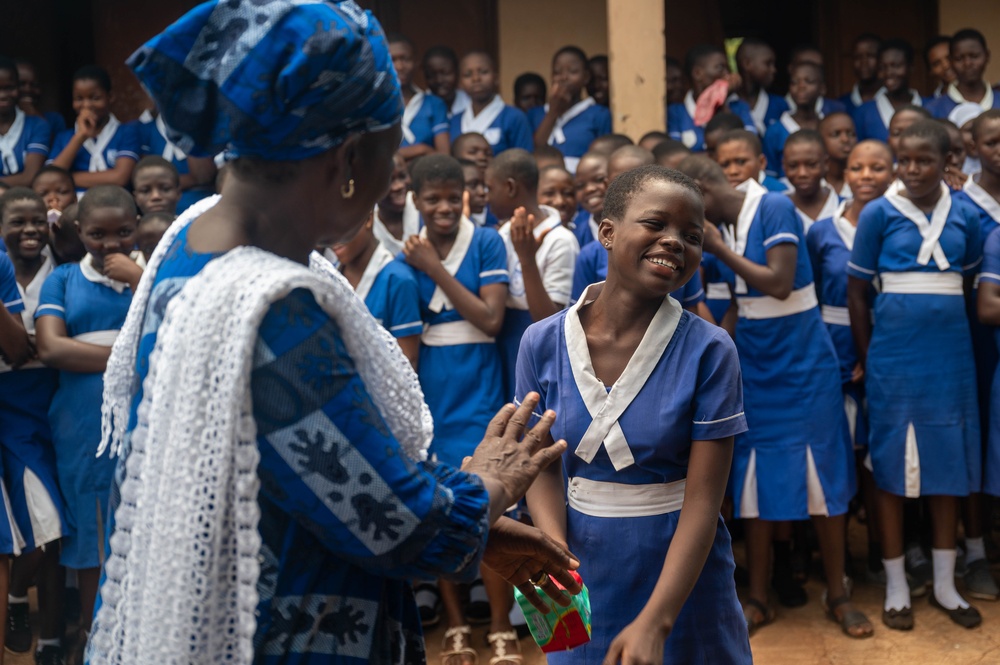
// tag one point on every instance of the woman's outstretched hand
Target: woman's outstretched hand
(509, 464)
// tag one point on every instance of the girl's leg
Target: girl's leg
(51, 582)
(869, 496)
(890, 512)
(944, 515)
(501, 597)
(4, 590)
(759, 534)
(22, 571)
(979, 582)
(454, 642)
(88, 578)
(830, 533)
(790, 592)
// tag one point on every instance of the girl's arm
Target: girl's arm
(120, 174)
(441, 143)
(67, 155)
(988, 304)
(522, 237)
(547, 502)
(14, 341)
(708, 468)
(417, 150)
(559, 103)
(861, 322)
(485, 310)
(411, 349)
(775, 279)
(32, 162)
(56, 349)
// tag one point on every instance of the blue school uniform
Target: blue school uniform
(584, 227)
(991, 273)
(576, 129)
(797, 458)
(116, 141)
(28, 135)
(155, 142)
(771, 184)
(774, 146)
(923, 440)
(460, 370)
(767, 110)
(56, 121)
(11, 541)
(681, 127)
(852, 100)
(555, 258)
(328, 561)
(824, 105)
(717, 277)
(485, 218)
(829, 242)
(93, 308)
(592, 267)
(502, 125)
(29, 466)
(424, 117)
(682, 384)
(872, 118)
(942, 105)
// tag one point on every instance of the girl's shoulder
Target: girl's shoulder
(543, 337)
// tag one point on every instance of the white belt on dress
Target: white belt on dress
(927, 283)
(717, 291)
(768, 307)
(602, 499)
(837, 316)
(98, 337)
(453, 333)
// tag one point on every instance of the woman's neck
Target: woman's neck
(355, 269)
(7, 120)
(927, 202)
(442, 243)
(806, 114)
(617, 311)
(973, 92)
(990, 181)
(835, 174)
(26, 269)
(810, 198)
(392, 220)
(478, 106)
(867, 89)
(408, 92)
(732, 204)
(749, 91)
(900, 97)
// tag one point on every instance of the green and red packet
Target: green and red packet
(563, 628)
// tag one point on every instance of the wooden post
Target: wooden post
(637, 66)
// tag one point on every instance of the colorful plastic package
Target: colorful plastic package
(563, 628)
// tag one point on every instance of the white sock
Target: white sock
(54, 642)
(897, 591)
(975, 550)
(13, 600)
(944, 580)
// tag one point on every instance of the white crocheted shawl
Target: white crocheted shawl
(183, 566)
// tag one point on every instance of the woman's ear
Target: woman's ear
(606, 233)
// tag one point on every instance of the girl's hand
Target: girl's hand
(735, 82)
(954, 177)
(858, 373)
(86, 124)
(522, 235)
(712, 238)
(560, 99)
(122, 268)
(640, 643)
(420, 254)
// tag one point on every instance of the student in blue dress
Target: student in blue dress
(79, 314)
(30, 96)
(462, 278)
(24, 138)
(388, 287)
(722, 123)
(425, 117)
(864, 61)
(568, 121)
(918, 240)
(392, 221)
(503, 126)
(839, 139)
(474, 147)
(895, 65)
(755, 61)
(902, 119)
(988, 308)
(805, 166)
(441, 74)
(98, 149)
(29, 469)
(805, 88)
(591, 181)
(557, 190)
(156, 185)
(741, 157)
(704, 65)
(969, 57)
(651, 396)
(937, 57)
(812, 54)
(475, 188)
(829, 241)
(196, 175)
(794, 463)
(530, 91)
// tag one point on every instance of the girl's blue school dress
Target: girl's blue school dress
(592, 267)
(920, 377)
(681, 126)
(389, 291)
(991, 273)
(717, 277)
(11, 541)
(626, 470)
(155, 142)
(424, 117)
(830, 207)
(502, 125)
(872, 118)
(29, 134)
(556, 259)
(575, 129)
(116, 141)
(29, 464)
(796, 460)
(824, 106)
(942, 105)
(93, 308)
(774, 143)
(852, 101)
(584, 227)
(766, 110)
(459, 368)
(829, 242)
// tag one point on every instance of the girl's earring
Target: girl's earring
(347, 191)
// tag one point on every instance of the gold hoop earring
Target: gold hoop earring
(347, 191)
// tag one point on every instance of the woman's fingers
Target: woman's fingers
(499, 423)
(518, 421)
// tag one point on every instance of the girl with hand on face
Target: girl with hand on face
(568, 121)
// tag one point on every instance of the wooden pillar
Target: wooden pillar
(637, 66)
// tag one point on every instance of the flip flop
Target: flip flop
(851, 619)
(766, 613)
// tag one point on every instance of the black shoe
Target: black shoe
(49, 654)
(71, 605)
(18, 639)
(966, 617)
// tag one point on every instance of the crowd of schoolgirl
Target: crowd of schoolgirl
(852, 254)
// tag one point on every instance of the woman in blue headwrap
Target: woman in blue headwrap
(273, 494)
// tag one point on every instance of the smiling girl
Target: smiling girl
(502, 125)
(895, 65)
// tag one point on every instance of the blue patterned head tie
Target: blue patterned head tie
(273, 79)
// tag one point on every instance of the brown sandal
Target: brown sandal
(766, 613)
(456, 643)
(499, 643)
(851, 619)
